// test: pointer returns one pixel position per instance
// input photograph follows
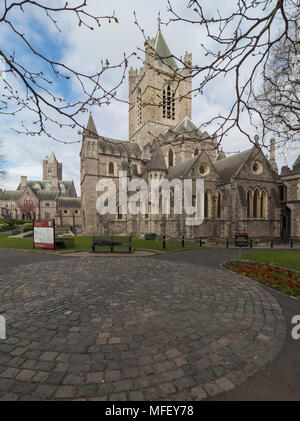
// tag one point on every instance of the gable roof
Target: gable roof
(157, 161)
(227, 167)
(69, 202)
(162, 50)
(185, 125)
(109, 145)
(10, 194)
(180, 169)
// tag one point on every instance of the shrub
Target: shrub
(150, 236)
(28, 227)
(4, 227)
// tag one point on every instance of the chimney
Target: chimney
(272, 155)
(23, 181)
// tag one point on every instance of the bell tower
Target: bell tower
(52, 169)
(159, 93)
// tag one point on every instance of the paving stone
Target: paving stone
(150, 341)
(72, 379)
(167, 388)
(10, 373)
(225, 384)
(112, 375)
(25, 375)
(212, 389)
(118, 397)
(198, 393)
(64, 392)
(48, 356)
(94, 377)
(123, 385)
(44, 391)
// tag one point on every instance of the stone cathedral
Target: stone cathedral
(243, 192)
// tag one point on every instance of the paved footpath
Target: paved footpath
(143, 328)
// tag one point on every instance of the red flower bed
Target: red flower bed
(285, 280)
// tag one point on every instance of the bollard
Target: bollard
(227, 243)
(164, 242)
(292, 244)
(272, 243)
(182, 241)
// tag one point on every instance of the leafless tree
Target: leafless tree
(278, 99)
(35, 91)
(243, 45)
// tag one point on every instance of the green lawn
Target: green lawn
(288, 259)
(84, 243)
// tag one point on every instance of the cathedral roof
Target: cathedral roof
(47, 194)
(157, 161)
(227, 167)
(186, 125)
(162, 50)
(69, 202)
(90, 130)
(120, 147)
(181, 168)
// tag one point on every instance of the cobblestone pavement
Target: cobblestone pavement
(132, 329)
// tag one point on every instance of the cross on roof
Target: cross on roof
(159, 20)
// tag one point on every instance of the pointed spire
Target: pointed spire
(162, 50)
(157, 161)
(221, 155)
(52, 157)
(272, 155)
(91, 130)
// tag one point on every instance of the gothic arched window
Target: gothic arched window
(207, 205)
(218, 209)
(111, 168)
(249, 204)
(168, 103)
(120, 214)
(263, 204)
(196, 152)
(256, 204)
(171, 158)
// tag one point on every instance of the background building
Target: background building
(44, 199)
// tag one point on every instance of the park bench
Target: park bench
(112, 243)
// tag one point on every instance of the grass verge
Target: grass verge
(287, 259)
(85, 242)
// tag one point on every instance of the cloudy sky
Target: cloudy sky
(84, 49)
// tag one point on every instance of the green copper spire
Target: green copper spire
(162, 50)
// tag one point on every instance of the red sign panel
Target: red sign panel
(43, 234)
